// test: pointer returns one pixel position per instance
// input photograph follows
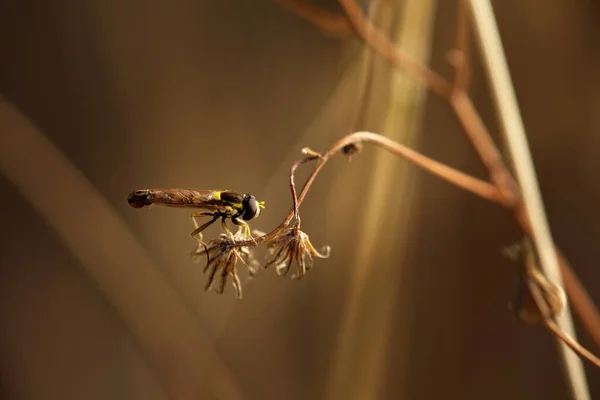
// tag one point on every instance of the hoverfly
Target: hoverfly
(222, 204)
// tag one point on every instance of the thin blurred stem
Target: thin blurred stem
(327, 21)
(380, 43)
(168, 333)
(514, 132)
(484, 145)
(583, 305)
(460, 60)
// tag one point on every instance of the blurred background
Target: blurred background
(101, 301)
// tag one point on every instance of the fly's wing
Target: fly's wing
(213, 200)
(206, 199)
(232, 198)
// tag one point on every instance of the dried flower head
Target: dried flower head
(352, 149)
(222, 255)
(293, 245)
(538, 290)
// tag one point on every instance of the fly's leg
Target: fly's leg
(246, 228)
(226, 229)
(238, 254)
(197, 233)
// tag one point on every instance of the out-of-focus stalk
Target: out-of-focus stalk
(169, 335)
(511, 122)
(392, 105)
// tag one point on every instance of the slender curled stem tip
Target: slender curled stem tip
(308, 152)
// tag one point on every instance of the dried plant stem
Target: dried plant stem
(479, 187)
(378, 42)
(295, 200)
(485, 147)
(514, 132)
(460, 179)
(460, 59)
(572, 343)
(583, 305)
(329, 22)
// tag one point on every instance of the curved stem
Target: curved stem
(293, 185)
(477, 186)
(382, 45)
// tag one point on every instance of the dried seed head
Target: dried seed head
(293, 245)
(538, 299)
(525, 305)
(222, 255)
(352, 149)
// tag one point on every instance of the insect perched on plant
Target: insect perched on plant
(222, 204)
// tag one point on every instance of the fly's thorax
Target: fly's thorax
(233, 199)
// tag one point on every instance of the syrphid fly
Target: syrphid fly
(222, 204)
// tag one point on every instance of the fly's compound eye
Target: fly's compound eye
(251, 208)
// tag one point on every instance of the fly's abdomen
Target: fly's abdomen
(171, 197)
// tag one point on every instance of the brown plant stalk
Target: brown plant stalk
(326, 21)
(505, 101)
(507, 191)
(477, 186)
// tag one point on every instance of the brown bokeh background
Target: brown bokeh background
(224, 94)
